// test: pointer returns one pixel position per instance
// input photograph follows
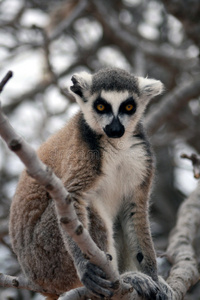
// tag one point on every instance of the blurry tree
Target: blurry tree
(45, 42)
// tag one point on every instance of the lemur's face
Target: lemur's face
(113, 111)
(112, 100)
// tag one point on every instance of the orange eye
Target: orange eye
(129, 107)
(100, 107)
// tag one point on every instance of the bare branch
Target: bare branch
(19, 283)
(5, 80)
(171, 104)
(41, 86)
(76, 294)
(110, 20)
(67, 22)
(188, 15)
(184, 272)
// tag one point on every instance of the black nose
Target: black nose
(115, 129)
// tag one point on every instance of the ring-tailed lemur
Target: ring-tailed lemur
(104, 159)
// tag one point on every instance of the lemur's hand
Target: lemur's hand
(144, 285)
(94, 279)
(166, 288)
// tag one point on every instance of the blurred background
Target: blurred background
(45, 42)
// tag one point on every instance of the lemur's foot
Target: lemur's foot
(144, 285)
(95, 280)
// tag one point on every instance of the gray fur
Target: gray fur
(114, 79)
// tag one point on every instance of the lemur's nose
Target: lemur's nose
(115, 129)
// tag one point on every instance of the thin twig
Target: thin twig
(20, 282)
(5, 80)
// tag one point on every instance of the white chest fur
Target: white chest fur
(123, 170)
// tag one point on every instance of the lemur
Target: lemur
(104, 159)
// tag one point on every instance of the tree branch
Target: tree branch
(188, 13)
(5, 80)
(110, 20)
(40, 87)
(184, 272)
(19, 282)
(67, 22)
(171, 104)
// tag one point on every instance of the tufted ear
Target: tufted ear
(149, 87)
(81, 84)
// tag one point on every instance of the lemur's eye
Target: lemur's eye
(129, 107)
(100, 107)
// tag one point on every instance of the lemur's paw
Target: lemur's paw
(165, 288)
(144, 285)
(94, 279)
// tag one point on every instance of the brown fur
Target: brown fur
(33, 225)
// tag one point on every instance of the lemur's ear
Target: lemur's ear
(81, 84)
(150, 87)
